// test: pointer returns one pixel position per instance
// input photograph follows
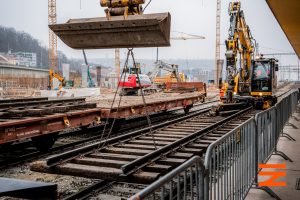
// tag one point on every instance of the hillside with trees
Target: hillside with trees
(17, 41)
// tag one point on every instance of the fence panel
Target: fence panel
(267, 134)
(230, 164)
(185, 182)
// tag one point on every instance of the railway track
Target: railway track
(133, 161)
(133, 170)
(104, 189)
(25, 151)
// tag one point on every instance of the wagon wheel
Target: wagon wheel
(187, 109)
(45, 142)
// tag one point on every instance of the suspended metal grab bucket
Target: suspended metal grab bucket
(147, 30)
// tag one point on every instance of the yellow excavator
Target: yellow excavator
(52, 75)
(254, 80)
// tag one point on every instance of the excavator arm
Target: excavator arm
(160, 65)
(240, 42)
(53, 75)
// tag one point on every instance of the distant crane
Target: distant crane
(183, 36)
(52, 19)
(186, 36)
(280, 54)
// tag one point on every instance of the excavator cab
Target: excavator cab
(263, 82)
(125, 26)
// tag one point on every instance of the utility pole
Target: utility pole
(117, 63)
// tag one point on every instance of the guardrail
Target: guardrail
(231, 162)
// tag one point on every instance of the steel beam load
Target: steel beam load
(147, 30)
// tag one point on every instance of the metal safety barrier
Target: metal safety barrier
(231, 163)
(270, 124)
(184, 182)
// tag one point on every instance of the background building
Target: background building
(25, 59)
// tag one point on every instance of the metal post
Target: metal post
(156, 54)
(298, 69)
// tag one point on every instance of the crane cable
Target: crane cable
(147, 5)
(129, 53)
(111, 107)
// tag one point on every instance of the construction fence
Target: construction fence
(231, 165)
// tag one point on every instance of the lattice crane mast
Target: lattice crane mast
(52, 19)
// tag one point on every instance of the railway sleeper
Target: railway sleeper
(173, 132)
(201, 141)
(191, 125)
(219, 131)
(198, 145)
(168, 135)
(127, 151)
(180, 155)
(135, 146)
(215, 135)
(167, 139)
(99, 162)
(105, 173)
(171, 161)
(210, 138)
(185, 130)
(158, 168)
(113, 156)
(195, 151)
(147, 142)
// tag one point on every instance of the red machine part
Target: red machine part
(131, 81)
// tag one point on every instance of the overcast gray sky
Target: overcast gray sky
(190, 16)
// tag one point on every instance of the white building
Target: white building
(25, 59)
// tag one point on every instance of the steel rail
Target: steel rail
(37, 103)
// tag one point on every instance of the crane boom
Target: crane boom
(160, 65)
